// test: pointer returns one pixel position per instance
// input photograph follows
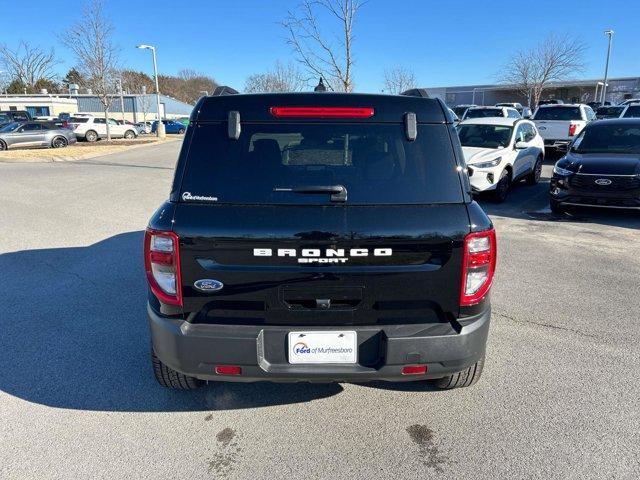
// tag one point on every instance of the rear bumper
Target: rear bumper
(195, 350)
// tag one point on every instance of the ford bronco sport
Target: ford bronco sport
(319, 237)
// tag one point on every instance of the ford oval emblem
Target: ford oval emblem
(208, 285)
(603, 181)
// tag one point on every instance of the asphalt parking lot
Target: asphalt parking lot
(559, 397)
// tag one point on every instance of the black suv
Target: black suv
(319, 237)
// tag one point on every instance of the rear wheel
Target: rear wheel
(501, 192)
(3, 145)
(181, 131)
(129, 134)
(168, 377)
(556, 206)
(534, 177)
(91, 136)
(465, 378)
(59, 142)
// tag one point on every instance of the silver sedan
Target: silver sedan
(35, 134)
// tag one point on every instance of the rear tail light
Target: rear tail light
(322, 112)
(162, 264)
(478, 266)
(572, 129)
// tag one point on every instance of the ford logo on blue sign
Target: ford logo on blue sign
(208, 285)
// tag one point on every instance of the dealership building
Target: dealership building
(135, 108)
(575, 91)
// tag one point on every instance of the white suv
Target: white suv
(491, 112)
(91, 128)
(499, 152)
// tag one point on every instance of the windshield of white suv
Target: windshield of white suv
(484, 136)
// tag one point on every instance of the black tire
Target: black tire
(503, 186)
(3, 145)
(168, 377)
(129, 134)
(534, 177)
(59, 142)
(465, 378)
(91, 136)
(556, 207)
(181, 131)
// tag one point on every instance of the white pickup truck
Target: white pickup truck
(559, 124)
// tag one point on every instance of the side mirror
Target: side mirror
(520, 145)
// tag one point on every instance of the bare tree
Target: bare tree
(28, 64)
(90, 39)
(399, 79)
(323, 55)
(283, 78)
(554, 59)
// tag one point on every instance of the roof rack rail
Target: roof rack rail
(223, 90)
(416, 92)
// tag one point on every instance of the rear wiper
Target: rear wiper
(338, 192)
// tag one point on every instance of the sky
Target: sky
(445, 43)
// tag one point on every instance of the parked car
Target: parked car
(170, 126)
(609, 112)
(630, 100)
(525, 112)
(34, 134)
(601, 168)
(461, 110)
(551, 101)
(484, 112)
(94, 128)
(9, 116)
(292, 276)
(143, 127)
(596, 105)
(499, 152)
(560, 123)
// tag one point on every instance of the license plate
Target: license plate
(323, 347)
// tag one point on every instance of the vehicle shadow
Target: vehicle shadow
(74, 335)
(532, 203)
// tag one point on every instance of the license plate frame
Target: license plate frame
(324, 347)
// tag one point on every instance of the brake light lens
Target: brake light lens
(162, 264)
(414, 370)
(322, 112)
(478, 266)
(228, 370)
(572, 129)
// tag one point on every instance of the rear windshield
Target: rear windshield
(484, 112)
(558, 113)
(374, 162)
(609, 112)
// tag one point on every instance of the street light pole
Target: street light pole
(160, 128)
(609, 33)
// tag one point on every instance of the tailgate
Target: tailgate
(553, 129)
(338, 266)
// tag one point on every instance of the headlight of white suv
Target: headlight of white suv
(563, 172)
(489, 164)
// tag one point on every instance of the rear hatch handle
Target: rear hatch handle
(338, 192)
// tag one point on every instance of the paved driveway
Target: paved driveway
(559, 397)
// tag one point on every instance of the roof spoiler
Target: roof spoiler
(223, 90)
(416, 92)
